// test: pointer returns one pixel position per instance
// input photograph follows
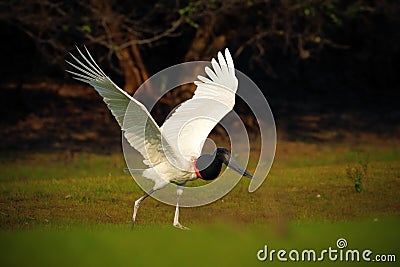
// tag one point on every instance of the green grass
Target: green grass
(45, 166)
(211, 245)
(56, 206)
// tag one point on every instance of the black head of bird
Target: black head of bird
(209, 165)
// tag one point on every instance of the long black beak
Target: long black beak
(229, 161)
(234, 165)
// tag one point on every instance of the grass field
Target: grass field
(74, 209)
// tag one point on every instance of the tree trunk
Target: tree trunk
(205, 43)
(132, 66)
(129, 58)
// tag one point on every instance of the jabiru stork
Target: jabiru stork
(172, 152)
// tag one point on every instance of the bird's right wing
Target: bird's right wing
(140, 129)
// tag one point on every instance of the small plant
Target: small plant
(358, 172)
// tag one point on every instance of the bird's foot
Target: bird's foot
(180, 226)
(135, 208)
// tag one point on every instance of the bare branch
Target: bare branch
(252, 40)
(157, 37)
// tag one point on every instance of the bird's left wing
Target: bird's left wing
(140, 129)
(190, 124)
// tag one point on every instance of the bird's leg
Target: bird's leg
(179, 192)
(137, 204)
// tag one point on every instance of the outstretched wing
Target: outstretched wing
(192, 121)
(140, 129)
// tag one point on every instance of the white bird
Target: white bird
(172, 152)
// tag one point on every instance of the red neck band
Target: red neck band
(197, 170)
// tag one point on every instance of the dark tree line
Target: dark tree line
(291, 48)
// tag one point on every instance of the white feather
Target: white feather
(140, 129)
(192, 121)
